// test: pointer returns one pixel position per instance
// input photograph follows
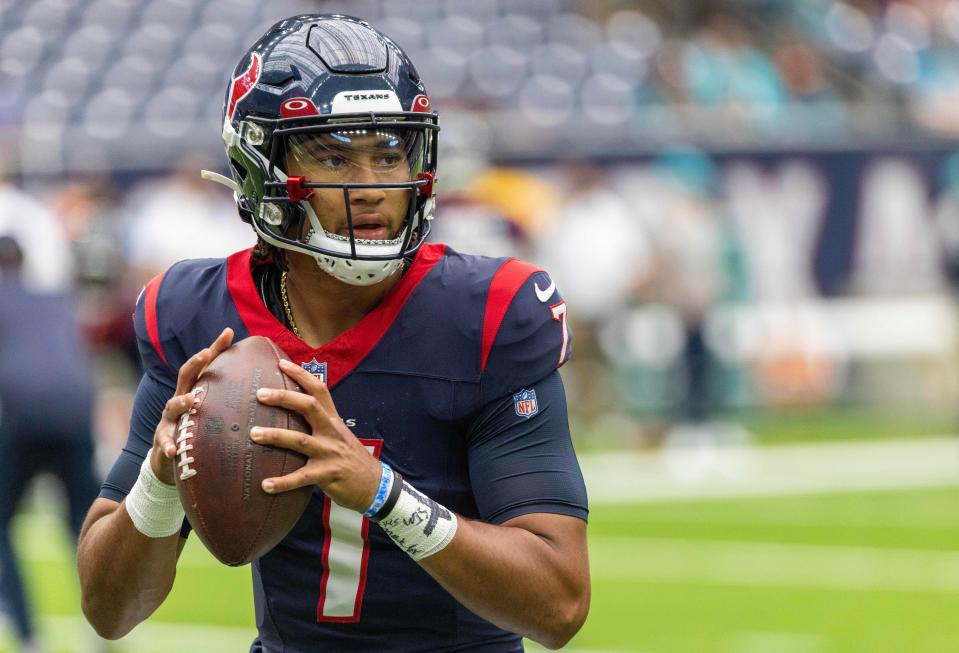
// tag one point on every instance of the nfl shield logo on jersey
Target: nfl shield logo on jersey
(316, 369)
(525, 404)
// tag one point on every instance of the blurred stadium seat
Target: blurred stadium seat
(889, 68)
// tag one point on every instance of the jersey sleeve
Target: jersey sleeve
(521, 457)
(157, 385)
(148, 405)
(180, 312)
(526, 333)
(150, 341)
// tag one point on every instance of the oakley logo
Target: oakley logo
(298, 106)
(421, 103)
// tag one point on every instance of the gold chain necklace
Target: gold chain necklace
(286, 305)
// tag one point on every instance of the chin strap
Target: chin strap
(220, 179)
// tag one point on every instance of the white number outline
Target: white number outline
(333, 594)
(559, 315)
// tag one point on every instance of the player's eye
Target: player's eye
(333, 162)
(387, 161)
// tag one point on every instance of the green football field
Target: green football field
(819, 571)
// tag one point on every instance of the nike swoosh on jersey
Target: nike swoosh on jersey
(545, 294)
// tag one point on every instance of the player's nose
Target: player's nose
(366, 194)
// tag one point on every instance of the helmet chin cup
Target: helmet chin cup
(357, 273)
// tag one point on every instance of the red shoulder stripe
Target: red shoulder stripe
(505, 284)
(150, 313)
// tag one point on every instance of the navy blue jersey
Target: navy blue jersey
(42, 355)
(451, 380)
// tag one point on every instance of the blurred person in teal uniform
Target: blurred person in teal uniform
(699, 266)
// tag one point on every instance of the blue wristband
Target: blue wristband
(382, 492)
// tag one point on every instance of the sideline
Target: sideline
(710, 471)
(63, 633)
(761, 564)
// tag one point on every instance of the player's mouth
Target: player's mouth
(369, 226)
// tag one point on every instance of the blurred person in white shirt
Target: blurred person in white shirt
(48, 262)
(180, 217)
(596, 249)
(599, 253)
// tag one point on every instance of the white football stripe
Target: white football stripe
(74, 635)
(743, 563)
(711, 471)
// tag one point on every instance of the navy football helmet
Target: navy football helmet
(329, 94)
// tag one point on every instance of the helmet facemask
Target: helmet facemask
(370, 176)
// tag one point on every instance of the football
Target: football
(219, 469)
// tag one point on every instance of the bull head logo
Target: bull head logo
(243, 84)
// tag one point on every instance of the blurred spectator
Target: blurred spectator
(598, 253)
(946, 215)
(690, 275)
(86, 209)
(47, 263)
(815, 104)
(468, 224)
(595, 248)
(932, 28)
(181, 216)
(726, 70)
(46, 395)
(498, 212)
(659, 347)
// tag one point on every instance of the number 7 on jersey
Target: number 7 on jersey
(559, 314)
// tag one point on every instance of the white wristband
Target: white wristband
(154, 506)
(419, 525)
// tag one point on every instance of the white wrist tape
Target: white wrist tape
(419, 525)
(153, 505)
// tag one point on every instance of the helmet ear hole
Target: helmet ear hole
(245, 210)
(238, 170)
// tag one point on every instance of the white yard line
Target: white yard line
(742, 563)
(765, 642)
(721, 472)
(72, 635)
(63, 634)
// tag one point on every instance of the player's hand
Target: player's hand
(337, 461)
(164, 438)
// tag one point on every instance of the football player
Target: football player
(449, 511)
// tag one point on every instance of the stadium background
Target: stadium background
(752, 208)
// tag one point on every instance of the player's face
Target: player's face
(359, 156)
